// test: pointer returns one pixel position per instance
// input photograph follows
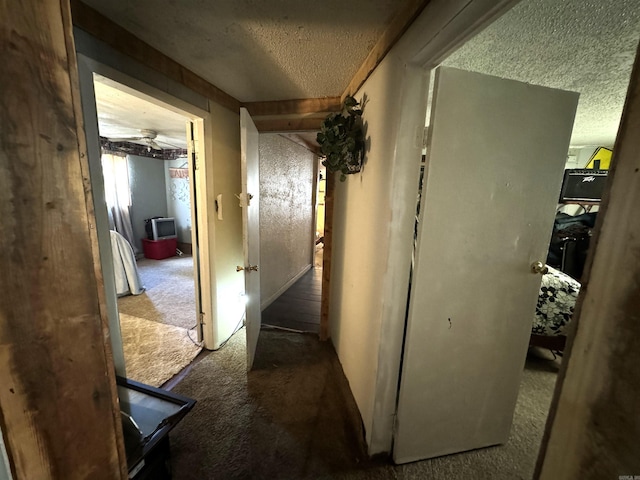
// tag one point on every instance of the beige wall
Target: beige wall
(372, 230)
(286, 214)
(224, 135)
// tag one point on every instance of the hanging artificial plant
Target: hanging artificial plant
(341, 139)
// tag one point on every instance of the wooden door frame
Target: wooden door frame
(87, 67)
(325, 300)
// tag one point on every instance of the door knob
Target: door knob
(539, 267)
(250, 268)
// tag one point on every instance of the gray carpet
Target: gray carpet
(169, 295)
(293, 417)
(155, 352)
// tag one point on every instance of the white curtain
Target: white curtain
(118, 195)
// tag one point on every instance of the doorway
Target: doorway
(148, 233)
(461, 61)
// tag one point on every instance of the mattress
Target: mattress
(556, 301)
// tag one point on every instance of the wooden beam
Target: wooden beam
(593, 430)
(400, 23)
(330, 188)
(305, 124)
(125, 42)
(293, 107)
(58, 402)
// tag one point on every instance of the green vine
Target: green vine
(341, 139)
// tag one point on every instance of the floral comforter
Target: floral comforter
(557, 297)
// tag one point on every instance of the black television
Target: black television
(581, 185)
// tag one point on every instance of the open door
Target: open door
(250, 201)
(495, 158)
(194, 175)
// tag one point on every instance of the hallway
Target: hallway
(293, 417)
(299, 307)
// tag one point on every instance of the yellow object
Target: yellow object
(604, 155)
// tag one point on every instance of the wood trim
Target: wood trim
(60, 416)
(400, 23)
(276, 125)
(592, 429)
(128, 44)
(293, 107)
(325, 332)
(76, 98)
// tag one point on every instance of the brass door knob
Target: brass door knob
(250, 268)
(539, 267)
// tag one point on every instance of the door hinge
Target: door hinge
(245, 199)
(201, 326)
(425, 136)
(194, 152)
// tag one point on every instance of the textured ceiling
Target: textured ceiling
(123, 113)
(582, 46)
(281, 49)
(259, 50)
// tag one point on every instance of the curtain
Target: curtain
(118, 195)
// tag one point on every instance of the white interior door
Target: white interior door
(494, 169)
(250, 201)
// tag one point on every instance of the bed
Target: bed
(556, 301)
(125, 268)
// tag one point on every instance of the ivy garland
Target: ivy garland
(341, 139)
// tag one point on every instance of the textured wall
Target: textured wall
(370, 264)
(286, 212)
(148, 199)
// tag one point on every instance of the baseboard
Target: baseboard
(284, 288)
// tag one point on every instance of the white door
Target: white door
(494, 169)
(250, 201)
(194, 178)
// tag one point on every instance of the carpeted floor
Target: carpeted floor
(293, 417)
(155, 352)
(155, 324)
(169, 295)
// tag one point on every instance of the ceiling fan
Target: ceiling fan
(147, 137)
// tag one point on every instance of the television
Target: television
(583, 185)
(163, 228)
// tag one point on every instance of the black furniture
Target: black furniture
(570, 243)
(148, 415)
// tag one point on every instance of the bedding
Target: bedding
(125, 268)
(556, 300)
